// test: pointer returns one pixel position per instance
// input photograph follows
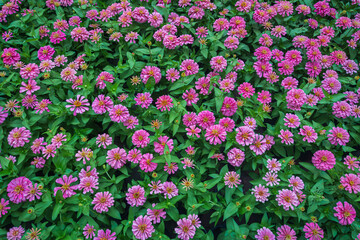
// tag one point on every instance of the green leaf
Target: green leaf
(56, 210)
(230, 210)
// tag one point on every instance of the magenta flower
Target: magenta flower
(164, 103)
(146, 164)
(159, 147)
(190, 67)
(142, 227)
(245, 136)
(15, 233)
(103, 140)
(323, 160)
(116, 157)
(66, 189)
(18, 137)
(286, 233)
(119, 113)
(215, 134)
(30, 71)
(16, 189)
(313, 231)
(143, 99)
(57, 37)
(103, 201)
(261, 193)
(32, 192)
(345, 213)
(232, 179)
(309, 134)
(288, 199)
(338, 136)
(89, 231)
(105, 235)
(264, 233)
(236, 157)
(78, 106)
(141, 138)
(46, 53)
(351, 183)
(185, 229)
(218, 63)
(156, 214)
(169, 190)
(3, 207)
(229, 107)
(136, 196)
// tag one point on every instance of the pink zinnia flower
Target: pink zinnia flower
(271, 179)
(30, 71)
(150, 71)
(156, 214)
(295, 99)
(134, 155)
(143, 99)
(351, 162)
(164, 103)
(159, 147)
(101, 104)
(232, 179)
(205, 119)
(103, 140)
(88, 183)
(116, 157)
(105, 235)
(246, 90)
(338, 136)
(185, 229)
(341, 109)
(345, 213)
(172, 74)
(227, 123)
(169, 190)
(66, 189)
(136, 196)
(3, 207)
(18, 137)
(229, 107)
(189, 66)
(10, 56)
(57, 37)
(273, 165)
(258, 145)
(218, 63)
(351, 183)
(309, 134)
(78, 106)
(146, 163)
(313, 231)
(15, 233)
(245, 136)
(286, 233)
(215, 134)
(119, 113)
(142, 227)
(141, 138)
(264, 234)
(103, 201)
(236, 157)
(261, 193)
(32, 192)
(288, 199)
(323, 160)
(89, 231)
(190, 96)
(46, 53)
